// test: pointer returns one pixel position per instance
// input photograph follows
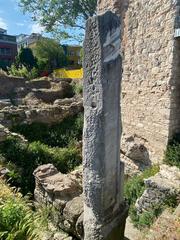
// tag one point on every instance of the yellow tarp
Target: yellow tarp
(63, 73)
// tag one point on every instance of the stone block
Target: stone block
(102, 170)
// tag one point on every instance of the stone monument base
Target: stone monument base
(117, 225)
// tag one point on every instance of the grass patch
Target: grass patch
(22, 159)
(134, 188)
(57, 135)
(77, 88)
(172, 155)
(17, 220)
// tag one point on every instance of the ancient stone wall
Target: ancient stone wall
(64, 193)
(150, 92)
(8, 84)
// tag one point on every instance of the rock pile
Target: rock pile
(64, 193)
(164, 184)
(134, 154)
(44, 113)
(41, 100)
(4, 133)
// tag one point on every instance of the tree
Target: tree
(64, 18)
(50, 54)
(26, 58)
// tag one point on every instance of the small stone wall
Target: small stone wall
(164, 184)
(64, 194)
(50, 114)
(46, 100)
(5, 133)
(8, 84)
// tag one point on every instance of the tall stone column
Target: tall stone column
(104, 209)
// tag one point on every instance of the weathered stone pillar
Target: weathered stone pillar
(104, 208)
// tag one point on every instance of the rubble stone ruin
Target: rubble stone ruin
(105, 211)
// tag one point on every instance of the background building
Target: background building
(8, 48)
(28, 41)
(73, 54)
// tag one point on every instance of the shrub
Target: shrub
(23, 72)
(172, 155)
(65, 159)
(22, 159)
(57, 135)
(135, 187)
(77, 88)
(17, 220)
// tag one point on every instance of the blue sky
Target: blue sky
(12, 19)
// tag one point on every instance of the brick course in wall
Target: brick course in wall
(151, 72)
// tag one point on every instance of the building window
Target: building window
(5, 51)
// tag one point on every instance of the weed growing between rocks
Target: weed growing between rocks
(17, 220)
(172, 154)
(147, 218)
(77, 88)
(134, 188)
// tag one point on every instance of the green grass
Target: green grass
(172, 155)
(22, 159)
(54, 144)
(57, 135)
(134, 189)
(17, 220)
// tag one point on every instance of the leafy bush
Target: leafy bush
(147, 218)
(57, 135)
(77, 88)
(22, 159)
(17, 220)
(65, 159)
(135, 187)
(172, 155)
(23, 72)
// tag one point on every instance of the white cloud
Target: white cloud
(20, 24)
(3, 24)
(36, 28)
